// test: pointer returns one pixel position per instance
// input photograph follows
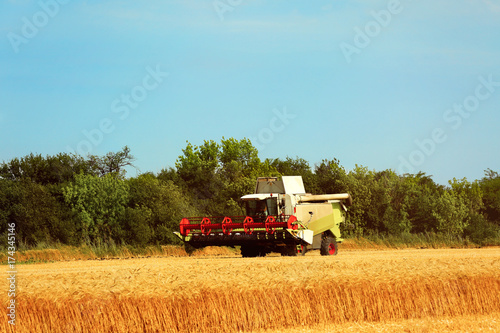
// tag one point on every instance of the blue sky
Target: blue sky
(403, 85)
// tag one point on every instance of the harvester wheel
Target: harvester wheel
(303, 250)
(248, 251)
(328, 246)
(289, 251)
(189, 249)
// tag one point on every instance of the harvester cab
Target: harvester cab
(280, 217)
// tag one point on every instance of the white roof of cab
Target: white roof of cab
(258, 196)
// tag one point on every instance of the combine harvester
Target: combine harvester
(280, 217)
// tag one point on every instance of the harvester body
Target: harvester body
(280, 217)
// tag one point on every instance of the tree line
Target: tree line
(75, 200)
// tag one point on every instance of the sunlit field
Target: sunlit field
(452, 290)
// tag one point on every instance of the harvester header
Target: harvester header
(280, 217)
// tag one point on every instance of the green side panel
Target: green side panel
(339, 217)
(330, 222)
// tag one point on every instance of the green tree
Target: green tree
(296, 167)
(331, 177)
(198, 168)
(217, 175)
(490, 186)
(111, 163)
(137, 226)
(155, 210)
(390, 203)
(38, 216)
(451, 213)
(471, 193)
(359, 186)
(99, 203)
(415, 195)
(240, 166)
(57, 169)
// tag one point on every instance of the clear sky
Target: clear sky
(403, 85)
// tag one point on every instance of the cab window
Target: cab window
(272, 206)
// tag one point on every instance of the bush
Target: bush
(482, 231)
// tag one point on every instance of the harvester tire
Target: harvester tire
(289, 251)
(248, 251)
(329, 246)
(189, 249)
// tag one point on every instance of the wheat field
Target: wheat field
(359, 291)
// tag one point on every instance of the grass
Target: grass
(233, 294)
(428, 240)
(59, 252)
